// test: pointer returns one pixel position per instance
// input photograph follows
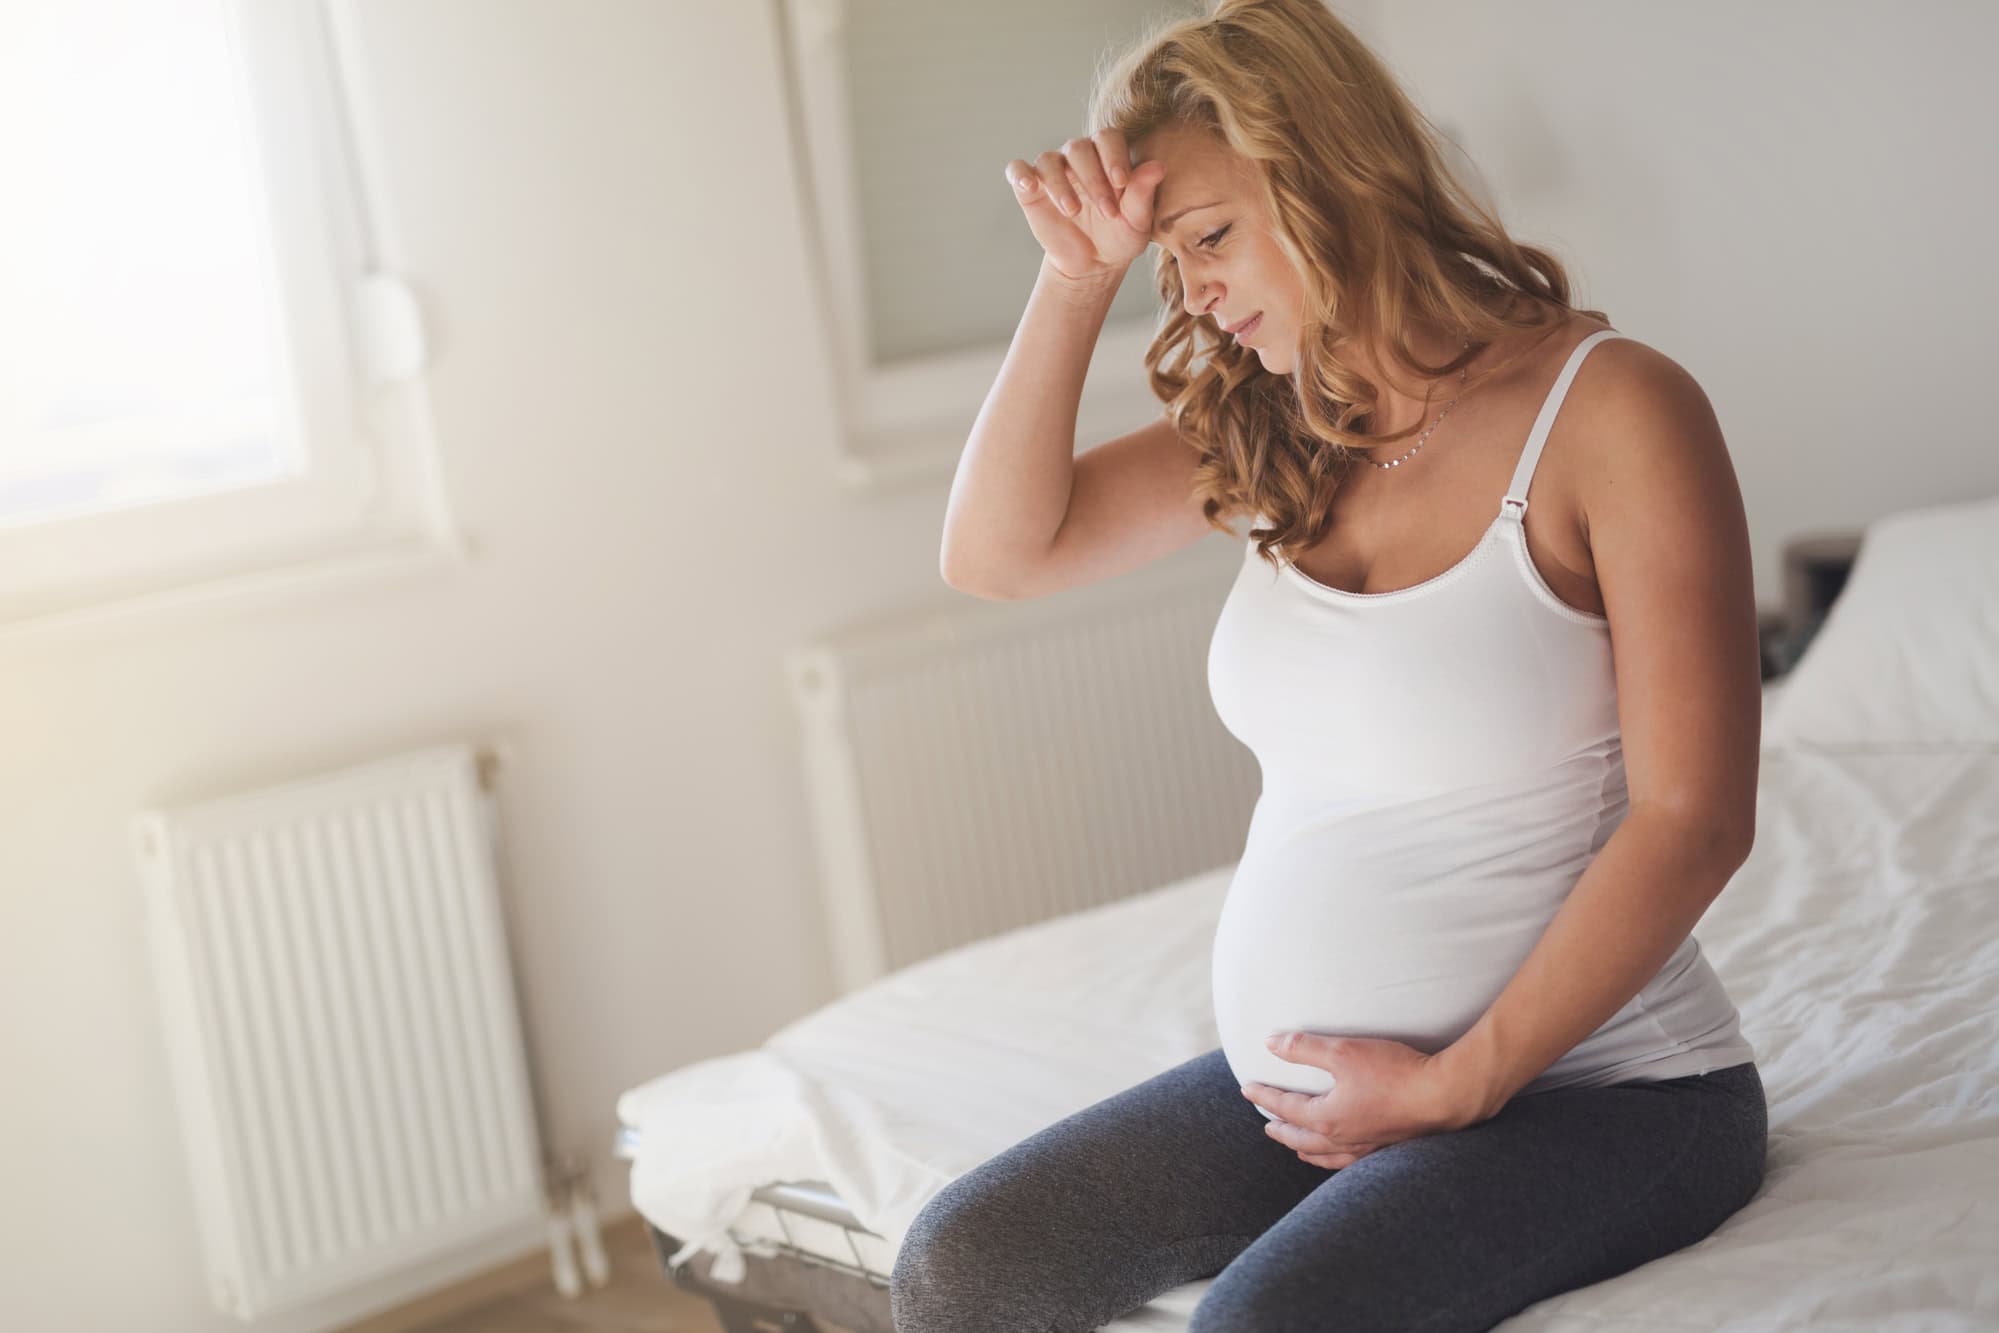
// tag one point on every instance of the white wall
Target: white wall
(1790, 198)
(595, 204)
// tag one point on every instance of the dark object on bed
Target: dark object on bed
(1816, 567)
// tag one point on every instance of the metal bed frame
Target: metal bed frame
(785, 1285)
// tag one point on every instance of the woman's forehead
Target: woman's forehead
(1196, 165)
(1179, 148)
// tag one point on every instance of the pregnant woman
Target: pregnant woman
(1493, 643)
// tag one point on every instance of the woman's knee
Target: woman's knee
(964, 1265)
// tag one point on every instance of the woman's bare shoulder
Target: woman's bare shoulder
(1639, 421)
(1619, 361)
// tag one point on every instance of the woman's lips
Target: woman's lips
(1242, 334)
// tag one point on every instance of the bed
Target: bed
(1860, 941)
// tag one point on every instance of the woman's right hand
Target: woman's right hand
(1088, 206)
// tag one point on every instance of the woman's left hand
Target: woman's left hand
(1383, 1092)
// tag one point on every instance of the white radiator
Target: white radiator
(337, 998)
(999, 763)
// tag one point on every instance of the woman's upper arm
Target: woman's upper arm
(1669, 541)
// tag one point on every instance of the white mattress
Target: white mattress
(1860, 942)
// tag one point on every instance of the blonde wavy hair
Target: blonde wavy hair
(1355, 181)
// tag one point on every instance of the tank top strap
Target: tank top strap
(1515, 502)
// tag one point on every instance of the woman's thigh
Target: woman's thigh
(1463, 1229)
(1095, 1215)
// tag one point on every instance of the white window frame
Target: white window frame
(369, 500)
(906, 421)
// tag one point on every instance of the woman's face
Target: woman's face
(1208, 217)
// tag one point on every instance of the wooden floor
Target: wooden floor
(521, 1298)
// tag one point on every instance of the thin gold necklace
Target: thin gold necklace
(1464, 371)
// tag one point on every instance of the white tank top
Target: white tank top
(1440, 763)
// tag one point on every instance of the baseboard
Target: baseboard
(532, 1268)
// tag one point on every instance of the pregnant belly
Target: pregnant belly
(1350, 953)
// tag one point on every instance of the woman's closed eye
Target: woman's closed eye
(1207, 242)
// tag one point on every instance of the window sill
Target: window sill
(272, 585)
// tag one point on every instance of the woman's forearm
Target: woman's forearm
(1635, 903)
(1012, 487)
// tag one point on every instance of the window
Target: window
(206, 380)
(922, 261)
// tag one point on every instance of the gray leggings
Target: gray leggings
(1174, 1179)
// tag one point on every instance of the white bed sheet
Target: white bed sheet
(1860, 942)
